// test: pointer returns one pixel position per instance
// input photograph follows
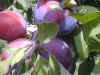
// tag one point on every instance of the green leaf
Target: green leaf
(81, 45)
(42, 65)
(25, 3)
(19, 55)
(3, 44)
(6, 3)
(63, 71)
(91, 23)
(47, 32)
(85, 9)
(86, 67)
(86, 18)
(54, 68)
(4, 65)
(94, 32)
(89, 17)
(13, 51)
(91, 34)
(96, 70)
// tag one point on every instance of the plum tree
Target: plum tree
(12, 25)
(66, 23)
(61, 51)
(42, 7)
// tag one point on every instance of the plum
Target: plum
(61, 17)
(42, 7)
(69, 25)
(61, 51)
(18, 43)
(54, 16)
(12, 25)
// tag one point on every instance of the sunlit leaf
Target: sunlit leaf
(4, 65)
(18, 57)
(47, 32)
(94, 32)
(96, 70)
(90, 26)
(86, 18)
(55, 68)
(85, 9)
(81, 45)
(25, 3)
(42, 65)
(3, 44)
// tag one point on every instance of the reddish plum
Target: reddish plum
(12, 25)
(20, 43)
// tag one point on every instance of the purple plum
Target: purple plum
(69, 25)
(42, 7)
(61, 51)
(61, 17)
(54, 16)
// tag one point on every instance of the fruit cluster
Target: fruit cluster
(51, 12)
(12, 29)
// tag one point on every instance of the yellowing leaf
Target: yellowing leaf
(18, 57)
